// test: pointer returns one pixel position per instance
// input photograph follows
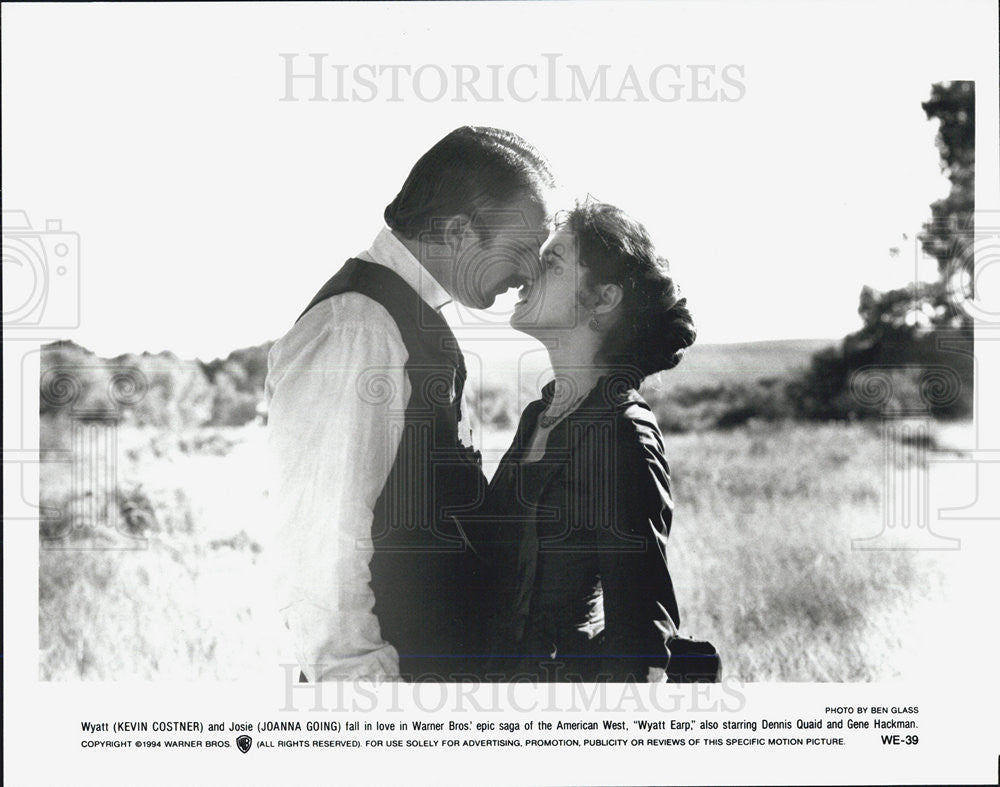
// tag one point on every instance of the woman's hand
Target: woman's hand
(656, 675)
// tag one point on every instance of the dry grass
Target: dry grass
(177, 589)
(763, 561)
(761, 555)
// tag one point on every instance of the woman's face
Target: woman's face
(549, 303)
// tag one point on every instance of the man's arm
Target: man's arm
(335, 387)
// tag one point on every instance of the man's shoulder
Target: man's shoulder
(325, 326)
(347, 310)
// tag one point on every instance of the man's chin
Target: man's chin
(487, 301)
(523, 320)
(476, 300)
(520, 325)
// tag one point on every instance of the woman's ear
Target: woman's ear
(608, 297)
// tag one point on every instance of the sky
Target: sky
(209, 210)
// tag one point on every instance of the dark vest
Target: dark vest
(425, 576)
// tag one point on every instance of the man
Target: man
(368, 440)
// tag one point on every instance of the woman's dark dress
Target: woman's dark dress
(577, 544)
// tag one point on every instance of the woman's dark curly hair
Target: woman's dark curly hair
(655, 326)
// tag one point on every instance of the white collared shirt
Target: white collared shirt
(333, 380)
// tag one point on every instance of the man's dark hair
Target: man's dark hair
(474, 168)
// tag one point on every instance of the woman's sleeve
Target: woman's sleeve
(640, 610)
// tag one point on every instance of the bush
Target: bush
(901, 374)
(722, 406)
(148, 389)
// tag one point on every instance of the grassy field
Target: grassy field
(760, 552)
(703, 365)
(172, 588)
(172, 583)
(707, 364)
(714, 385)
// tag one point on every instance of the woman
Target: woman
(581, 501)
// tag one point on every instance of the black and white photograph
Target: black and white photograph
(605, 372)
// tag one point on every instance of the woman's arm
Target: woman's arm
(640, 610)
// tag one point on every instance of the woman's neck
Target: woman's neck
(576, 373)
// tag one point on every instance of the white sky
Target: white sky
(209, 211)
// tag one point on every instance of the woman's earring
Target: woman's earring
(594, 324)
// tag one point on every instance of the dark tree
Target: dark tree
(948, 235)
(912, 334)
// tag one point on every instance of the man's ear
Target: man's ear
(608, 297)
(455, 230)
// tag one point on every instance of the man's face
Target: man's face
(489, 266)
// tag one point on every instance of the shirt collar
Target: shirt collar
(388, 250)
(610, 390)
